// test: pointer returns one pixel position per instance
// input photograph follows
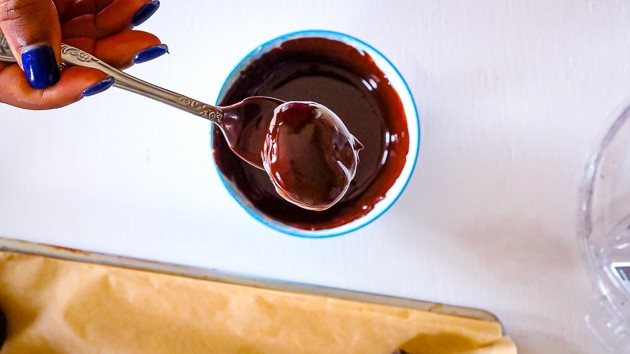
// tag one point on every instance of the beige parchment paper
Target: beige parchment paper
(56, 306)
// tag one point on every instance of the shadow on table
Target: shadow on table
(532, 342)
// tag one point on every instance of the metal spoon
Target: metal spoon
(247, 125)
(244, 124)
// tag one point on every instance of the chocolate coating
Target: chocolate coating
(310, 155)
(348, 82)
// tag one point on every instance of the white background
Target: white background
(512, 95)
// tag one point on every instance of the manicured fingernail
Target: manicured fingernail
(40, 66)
(99, 87)
(147, 10)
(150, 53)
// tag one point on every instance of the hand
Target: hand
(35, 30)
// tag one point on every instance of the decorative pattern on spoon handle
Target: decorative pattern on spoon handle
(5, 51)
(202, 109)
(78, 53)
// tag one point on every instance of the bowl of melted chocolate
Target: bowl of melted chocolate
(364, 90)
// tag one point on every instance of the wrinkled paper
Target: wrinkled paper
(56, 306)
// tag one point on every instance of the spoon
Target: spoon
(320, 145)
(244, 124)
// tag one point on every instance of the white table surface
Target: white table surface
(512, 95)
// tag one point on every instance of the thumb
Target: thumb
(33, 32)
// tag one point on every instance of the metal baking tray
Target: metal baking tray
(45, 250)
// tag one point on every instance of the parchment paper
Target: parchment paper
(55, 306)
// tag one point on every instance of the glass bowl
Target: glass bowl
(604, 233)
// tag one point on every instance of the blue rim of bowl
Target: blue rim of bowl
(320, 234)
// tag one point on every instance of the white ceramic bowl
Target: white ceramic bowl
(413, 126)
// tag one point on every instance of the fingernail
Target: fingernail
(147, 10)
(150, 53)
(40, 66)
(99, 87)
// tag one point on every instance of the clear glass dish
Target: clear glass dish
(604, 233)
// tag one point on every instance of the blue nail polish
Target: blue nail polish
(147, 10)
(40, 66)
(99, 87)
(150, 53)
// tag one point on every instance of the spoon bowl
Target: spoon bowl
(247, 136)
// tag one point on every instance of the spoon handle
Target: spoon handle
(75, 56)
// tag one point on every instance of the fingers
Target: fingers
(74, 83)
(69, 9)
(101, 27)
(33, 32)
(121, 49)
(120, 15)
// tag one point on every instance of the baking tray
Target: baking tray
(38, 249)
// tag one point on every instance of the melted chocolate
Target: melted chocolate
(245, 125)
(349, 83)
(310, 155)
